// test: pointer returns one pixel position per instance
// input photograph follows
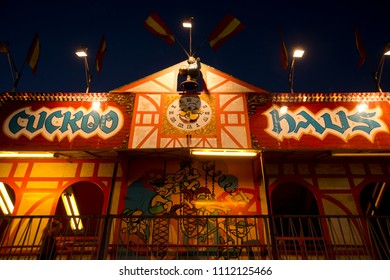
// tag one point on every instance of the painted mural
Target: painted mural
(191, 200)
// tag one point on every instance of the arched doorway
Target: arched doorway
(296, 224)
(374, 201)
(83, 199)
(291, 198)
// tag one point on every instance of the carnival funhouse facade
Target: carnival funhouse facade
(287, 176)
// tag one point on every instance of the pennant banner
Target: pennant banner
(360, 48)
(156, 25)
(33, 53)
(100, 53)
(228, 27)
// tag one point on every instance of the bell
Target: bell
(189, 84)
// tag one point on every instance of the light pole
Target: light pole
(82, 52)
(298, 53)
(188, 24)
(379, 70)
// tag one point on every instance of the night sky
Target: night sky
(325, 29)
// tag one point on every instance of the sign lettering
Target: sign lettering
(63, 122)
(340, 122)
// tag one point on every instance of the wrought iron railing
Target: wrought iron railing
(197, 237)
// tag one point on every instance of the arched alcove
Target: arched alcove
(295, 208)
(89, 199)
(291, 198)
(374, 201)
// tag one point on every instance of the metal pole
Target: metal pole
(378, 73)
(271, 232)
(291, 75)
(87, 74)
(191, 40)
(379, 69)
(104, 240)
(12, 66)
(191, 19)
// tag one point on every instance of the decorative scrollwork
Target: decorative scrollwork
(255, 142)
(126, 100)
(254, 100)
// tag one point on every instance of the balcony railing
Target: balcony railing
(196, 237)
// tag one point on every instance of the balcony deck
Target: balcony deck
(200, 237)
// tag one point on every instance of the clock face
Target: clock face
(189, 113)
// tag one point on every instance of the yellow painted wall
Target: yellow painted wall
(38, 184)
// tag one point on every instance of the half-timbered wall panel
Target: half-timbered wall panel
(38, 184)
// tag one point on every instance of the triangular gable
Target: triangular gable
(165, 81)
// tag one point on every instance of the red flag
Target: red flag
(100, 53)
(33, 53)
(227, 28)
(360, 48)
(283, 55)
(156, 25)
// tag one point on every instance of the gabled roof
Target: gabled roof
(166, 80)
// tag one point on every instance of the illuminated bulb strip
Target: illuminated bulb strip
(25, 155)
(5, 200)
(230, 153)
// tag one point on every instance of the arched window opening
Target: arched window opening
(293, 199)
(83, 203)
(375, 205)
(296, 221)
(375, 199)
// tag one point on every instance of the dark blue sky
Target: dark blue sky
(325, 29)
